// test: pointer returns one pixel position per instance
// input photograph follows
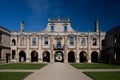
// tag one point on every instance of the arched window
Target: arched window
(13, 42)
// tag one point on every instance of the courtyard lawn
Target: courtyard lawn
(22, 66)
(96, 66)
(13, 75)
(104, 75)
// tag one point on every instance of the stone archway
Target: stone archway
(71, 57)
(83, 56)
(34, 56)
(59, 56)
(94, 57)
(46, 56)
(22, 56)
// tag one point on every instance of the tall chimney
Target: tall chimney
(22, 26)
(96, 26)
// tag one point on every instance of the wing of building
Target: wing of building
(58, 42)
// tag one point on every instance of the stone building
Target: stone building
(4, 44)
(112, 42)
(58, 42)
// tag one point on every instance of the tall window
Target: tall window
(46, 41)
(13, 42)
(71, 41)
(22, 41)
(94, 41)
(33, 41)
(65, 28)
(83, 41)
(52, 28)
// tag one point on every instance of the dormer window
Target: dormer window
(52, 28)
(65, 28)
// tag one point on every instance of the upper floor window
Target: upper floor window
(13, 42)
(65, 28)
(22, 41)
(52, 28)
(94, 41)
(58, 45)
(83, 41)
(33, 41)
(45, 41)
(71, 41)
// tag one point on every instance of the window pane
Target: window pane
(65, 28)
(94, 41)
(71, 41)
(33, 41)
(52, 28)
(45, 41)
(83, 41)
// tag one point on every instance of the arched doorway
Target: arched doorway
(46, 56)
(83, 56)
(34, 56)
(59, 56)
(94, 57)
(71, 57)
(22, 56)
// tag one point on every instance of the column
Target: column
(40, 59)
(28, 51)
(89, 44)
(77, 48)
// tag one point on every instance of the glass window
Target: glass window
(71, 41)
(22, 41)
(45, 41)
(65, 28)
(83, 41)
(52, 28)
(94, 41)
(33, 41)
(58, 45)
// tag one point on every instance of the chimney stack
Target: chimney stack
(22, 26)
(96, 26)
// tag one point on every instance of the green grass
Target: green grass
(22, 66)
(96, 66)
(104, 75)
(13, 75)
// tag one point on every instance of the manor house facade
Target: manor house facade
(58, 42)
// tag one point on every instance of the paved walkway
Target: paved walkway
(58, 71)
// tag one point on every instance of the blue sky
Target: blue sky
(82, 13)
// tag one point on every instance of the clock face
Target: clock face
(58, 56)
